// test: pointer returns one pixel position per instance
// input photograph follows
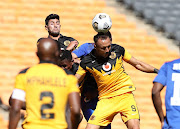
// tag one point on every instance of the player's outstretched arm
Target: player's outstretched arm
(156, 98)
(14, 113)
(142, 66)
(74, 102)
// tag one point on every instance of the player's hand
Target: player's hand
(72, 45)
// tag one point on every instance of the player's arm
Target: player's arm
(17, 100)
(80, 52)
(156, 98)
(23, 106)
(74, 102)
(14, 113)
(75, 58)
(142, 66)
(72, 45)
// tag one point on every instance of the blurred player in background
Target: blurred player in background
(46, 88)
(89, 92)
(66, 61)
(105, 63)
(52, 25)
(169, 76)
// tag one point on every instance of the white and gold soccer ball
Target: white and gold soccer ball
(102, 22)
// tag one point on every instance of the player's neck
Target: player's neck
(55, 38)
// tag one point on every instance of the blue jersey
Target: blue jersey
(169, 76)
(84, 49)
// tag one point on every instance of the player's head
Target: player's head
(52, 25)
(47, 50)
(102, 44)
(65, 60)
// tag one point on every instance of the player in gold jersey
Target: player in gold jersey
(115, 87)
(46, 88)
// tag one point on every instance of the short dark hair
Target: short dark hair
(51, 16)
(102, 35)
(65, 54)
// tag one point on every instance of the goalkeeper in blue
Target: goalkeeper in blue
(169, 76)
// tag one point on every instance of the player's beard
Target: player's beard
(54, 34)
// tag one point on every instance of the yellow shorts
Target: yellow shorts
(106, 109)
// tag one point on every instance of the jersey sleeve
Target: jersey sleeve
(127, 56)
(20, 81)
(162, 75)
(72, 84)
(71, 39)
(80, 51)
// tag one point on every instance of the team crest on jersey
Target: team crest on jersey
(106, 66)
(113, 55)
(92, 117)
(67, 42)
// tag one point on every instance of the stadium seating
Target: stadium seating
(159, 13)
(22, 24)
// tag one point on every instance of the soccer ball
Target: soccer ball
(102, 22)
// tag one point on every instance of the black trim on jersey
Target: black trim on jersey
(61, 40)
(74, 68)
(91, 61)
(24, 70)
(68, 72)
(44, 61)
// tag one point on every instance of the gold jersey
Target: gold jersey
(47, 87)
(109, 73)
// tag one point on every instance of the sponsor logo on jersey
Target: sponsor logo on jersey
(106, 66)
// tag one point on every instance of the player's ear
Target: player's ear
(94, 46)
(37, 54)
(46, 27)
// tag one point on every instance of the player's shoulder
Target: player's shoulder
(41, 38)
(86, 60)
(66, 37)
(68, 72)
(116, 46)
(23, 70)
(172, 62)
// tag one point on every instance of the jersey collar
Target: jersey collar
(44, 61)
